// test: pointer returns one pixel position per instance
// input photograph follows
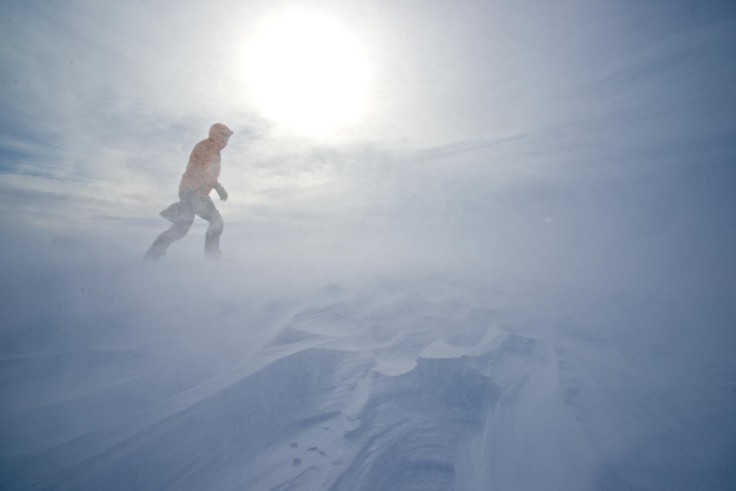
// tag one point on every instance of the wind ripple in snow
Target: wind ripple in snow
(412, 389)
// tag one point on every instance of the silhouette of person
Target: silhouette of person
(200, 178)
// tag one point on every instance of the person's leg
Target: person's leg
(181, 225)
(206, 209)
(212, 238)
(167, 237)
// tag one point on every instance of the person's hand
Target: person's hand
(221, 191)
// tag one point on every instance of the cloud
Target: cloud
(106, 98)
(472, 103)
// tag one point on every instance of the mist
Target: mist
(515, 273)
(625, 276)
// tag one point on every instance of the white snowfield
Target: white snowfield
(177, 379)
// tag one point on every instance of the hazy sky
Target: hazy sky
(103, 102)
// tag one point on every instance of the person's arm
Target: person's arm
(220, 191)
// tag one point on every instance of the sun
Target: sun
(307, 72)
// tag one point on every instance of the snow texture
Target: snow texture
(163, 378)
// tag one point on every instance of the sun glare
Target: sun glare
(307, 72)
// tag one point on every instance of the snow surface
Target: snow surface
(272, 375)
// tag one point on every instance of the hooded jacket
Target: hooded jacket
(203, 168)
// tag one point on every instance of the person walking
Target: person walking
(200, 178)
